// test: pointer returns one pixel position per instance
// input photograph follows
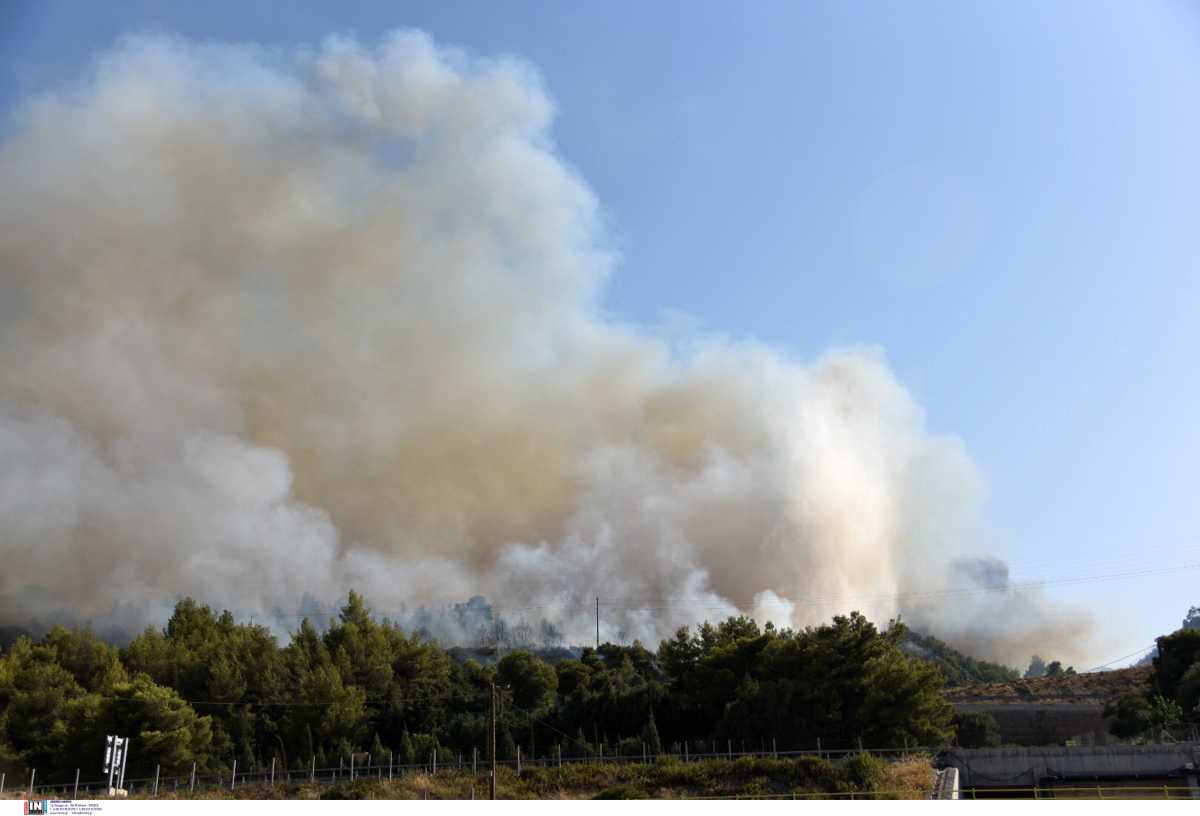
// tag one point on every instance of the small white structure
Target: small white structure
(945, 786)
(116, 753)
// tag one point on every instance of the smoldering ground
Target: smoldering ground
(286, 321)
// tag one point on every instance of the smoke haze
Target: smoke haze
(277, 322)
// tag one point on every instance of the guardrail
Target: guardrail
(1102, 792)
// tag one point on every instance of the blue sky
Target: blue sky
(1003, 195)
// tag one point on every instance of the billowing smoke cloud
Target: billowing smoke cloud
(277, 322)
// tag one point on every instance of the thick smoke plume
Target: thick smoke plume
(277, 322)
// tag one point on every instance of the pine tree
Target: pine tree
(579, 746)
(650, 736)
(407, 752)
(505, 746)
(378, 752)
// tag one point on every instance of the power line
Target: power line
(701, 603)
(1139, 652)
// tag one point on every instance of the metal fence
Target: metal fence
(349, 769)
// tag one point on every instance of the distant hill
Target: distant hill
(1098, 687)
(958, 668)
(490, 656)
(9, 635)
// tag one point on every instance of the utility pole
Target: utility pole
(597, 623)
(492, 740)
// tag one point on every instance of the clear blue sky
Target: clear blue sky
(1003, 195)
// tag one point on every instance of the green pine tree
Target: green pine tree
(506, 748)
(407, 754)
(579, 745)
(378, 752)
(650, 736)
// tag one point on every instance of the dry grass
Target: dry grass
(1093, 686)
(911, 778)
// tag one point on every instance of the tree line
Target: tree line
(1170, 703)
(208, 690)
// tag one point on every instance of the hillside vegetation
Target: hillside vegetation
(209, 691)
(957, 668)
(1099, 687)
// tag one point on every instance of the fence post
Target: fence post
(729, 749)
(193, 782)
(685, 752)
(75, 795)
(351, 766)
(435, 761)
(32, 775)
(390, 756)
(157, 768)
(312, 769)
(774, 749)
(474, 760)
(272, 771)
(2, 783)
(518, 760)
(233, 776)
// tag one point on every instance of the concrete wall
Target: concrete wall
(1026, 767)
(1046, 723)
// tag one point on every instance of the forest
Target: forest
(208, 690)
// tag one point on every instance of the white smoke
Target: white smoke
(276, 322)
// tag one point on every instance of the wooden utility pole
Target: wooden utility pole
(492, 741)
(597, 623)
